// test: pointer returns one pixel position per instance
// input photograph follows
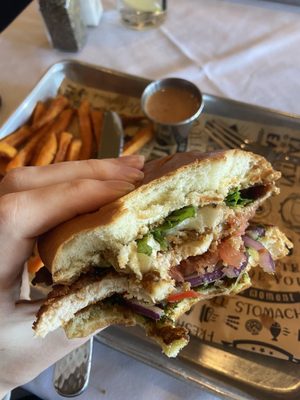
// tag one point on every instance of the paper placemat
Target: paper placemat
(264, 318)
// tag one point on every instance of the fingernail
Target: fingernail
(134, 159)
(134, 174)
(121, 186)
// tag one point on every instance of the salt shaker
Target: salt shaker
(64, 23)
(91, 11)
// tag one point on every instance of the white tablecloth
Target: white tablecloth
(245, 50)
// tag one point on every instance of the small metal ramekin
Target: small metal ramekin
(173, 133)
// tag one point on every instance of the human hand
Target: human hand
(32, 201)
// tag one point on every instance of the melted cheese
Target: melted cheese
(207, 217)
(162, 261)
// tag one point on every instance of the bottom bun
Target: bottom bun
(98, 316)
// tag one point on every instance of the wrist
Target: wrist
(5, 392)
(4, 395)
(5, 385)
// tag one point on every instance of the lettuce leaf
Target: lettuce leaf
(176, 217)
(143, 247)
(235, 199)
(159, 233)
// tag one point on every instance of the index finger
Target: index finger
(30, 213)
(27, 178)
(26, 215)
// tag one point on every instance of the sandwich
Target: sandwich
(185, 234)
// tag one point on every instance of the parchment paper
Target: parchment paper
(264, 318)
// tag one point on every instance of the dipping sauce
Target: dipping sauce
(171, 105)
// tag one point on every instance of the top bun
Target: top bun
(170, 183)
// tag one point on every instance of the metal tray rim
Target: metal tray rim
(61, 65)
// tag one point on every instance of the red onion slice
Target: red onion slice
(253, 244)
(265, 259)
(197, 280)
(219, 273)
(234, 272)
(255, 231)
(147, 310)
(230, 272)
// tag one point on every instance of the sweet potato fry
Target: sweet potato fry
(57, 126)
(39, 110)
(97, 123)
(86, 133)
(20, 159)
(62, 122)
(131, 119)
(43, 135)
(48, 151)
(34, 264)
(18, 137)
(74, 150)
(143, 136)
(55, 108)
(25, 154)
(7, 151)
(63, 145)
(38, 139)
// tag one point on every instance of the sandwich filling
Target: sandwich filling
(192, 246)
(194, 252)
(203, 249)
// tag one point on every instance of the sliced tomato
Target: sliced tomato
(230, 255)
(189, 294)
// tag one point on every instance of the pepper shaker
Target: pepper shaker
(64, 23)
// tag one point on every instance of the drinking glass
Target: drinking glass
(142, 14)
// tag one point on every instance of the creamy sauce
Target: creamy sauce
(171, 105)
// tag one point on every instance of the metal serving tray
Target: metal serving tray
(232, 373)
(290, 2)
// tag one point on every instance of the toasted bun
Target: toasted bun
(170, 183)
(63, 302)
(170, 338)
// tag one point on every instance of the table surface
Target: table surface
(244, 50)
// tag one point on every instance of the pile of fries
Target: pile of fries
(57, 131)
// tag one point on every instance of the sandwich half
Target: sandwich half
(184, 235)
